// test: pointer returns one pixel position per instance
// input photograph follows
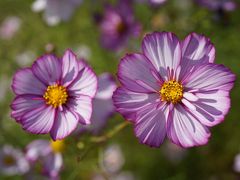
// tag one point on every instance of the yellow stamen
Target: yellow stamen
(55, 95)
(171, 91)
(57, 146)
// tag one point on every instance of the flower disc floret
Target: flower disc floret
(9, 160)
(56, 95)
(171, 91)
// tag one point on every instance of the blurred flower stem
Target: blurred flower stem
(96, 140)
(105, 137)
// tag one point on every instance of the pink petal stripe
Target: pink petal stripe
(163, 50)
(85, 83)
(128, 103)
(82, 106)
(211, 107)
(184, 129)
(209, 77)
(69, 67)
(150, 126)
(64, 124)
(39, 120)
(24, 82)
(48, 69)
(137, 74)
(25, 103)
(196, 50)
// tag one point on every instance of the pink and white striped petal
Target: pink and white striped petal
(69, 67)
(39, 120)
(128, 103)
(163, 50)
(25, 103)
(184, 129)
(24, 82)
(48, 69)
(196, 50)
(65, 123)
(209, 77)
(137, 74)
(150, 126)
(85, 83)
(211, 107)
(82, 106)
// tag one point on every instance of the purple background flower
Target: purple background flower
(12, 161)
(118, 25)
(41, 152)
(226, 5)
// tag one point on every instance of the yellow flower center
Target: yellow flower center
(56, 95)
(9, 160)
(57, 146)
(171, 91)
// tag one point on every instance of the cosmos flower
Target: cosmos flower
(118, 25)
(173, 89)
(218, 5)
(56, 11)
(48, 154)
(54, 95)
(103, 106)
(12, 161)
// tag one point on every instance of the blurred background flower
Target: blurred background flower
(118, 24)
(48, 155)
(56, 11)
(12, 161)
(218, 5)
(9, 27)
(153, 2)
(113, 159)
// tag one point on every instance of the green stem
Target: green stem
(105, 137)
